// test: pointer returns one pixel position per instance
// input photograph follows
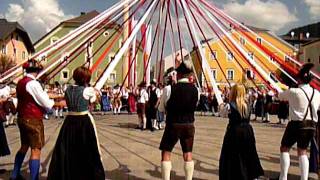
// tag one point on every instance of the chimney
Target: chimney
(301, 36)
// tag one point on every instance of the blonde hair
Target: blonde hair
(238, 95)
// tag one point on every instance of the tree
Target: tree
(6, 63)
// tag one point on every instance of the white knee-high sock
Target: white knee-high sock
(188, 169)
(166, 169)
(144, 121)
(56, 112)
(304, 167)
(284, 165)
(8, 120)
(61, 112)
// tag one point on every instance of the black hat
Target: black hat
(116, 86)
(185, 68)
(32, 65)
(169, 71)
(305, 74)
(142, 84)
(154, 82)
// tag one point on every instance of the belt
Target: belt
(78, 113)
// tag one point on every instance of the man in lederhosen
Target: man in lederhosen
(180, 109)
(303, 105)
(32, 102)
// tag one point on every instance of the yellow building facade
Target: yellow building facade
(227, 64)
(14, 41)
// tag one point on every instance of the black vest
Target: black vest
(182, 103)
(153, 98)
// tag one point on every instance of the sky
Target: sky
(40, 16)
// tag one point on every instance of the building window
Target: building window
(273, 77)
(259, 40)
(65, 74)
(287, 59)
(242, 41)
(214, 55)
(230, 74)
(230, 56)
(106, 33)
(23, 55)
(17, 37)
(249, 74)
(120, 42)
(111, 57)
(251, 55)
(54, 39)
(214, 73)
(112, 77)
(309, 60)
(271, 58)
(3, 49)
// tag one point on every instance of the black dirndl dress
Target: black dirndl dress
(76, 154)
(239, 158)
(4, 148)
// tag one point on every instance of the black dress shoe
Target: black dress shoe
(19, 177)
(2, 171)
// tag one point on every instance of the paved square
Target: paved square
(129, 153)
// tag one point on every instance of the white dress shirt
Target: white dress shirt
(166, 92)
(143, 96)
(34, 88)
(5, 92)
(298, 102)
(89, 93)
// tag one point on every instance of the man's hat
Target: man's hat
(116, 86)
(305, 72)
(170, 72)
(32, 65)
(185, 68)
(154, 82)
(142, 84)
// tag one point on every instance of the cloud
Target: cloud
(270, 14)
(37, 17)
(314, 8)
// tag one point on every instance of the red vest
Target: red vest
(27, 106)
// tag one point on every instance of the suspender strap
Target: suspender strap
(309, 104)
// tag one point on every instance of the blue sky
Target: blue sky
(39, 16)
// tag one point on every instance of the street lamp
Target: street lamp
(307, 35)
(292, 37)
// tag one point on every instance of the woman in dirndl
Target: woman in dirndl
(76, 154)
(4, 148)
(239, 158)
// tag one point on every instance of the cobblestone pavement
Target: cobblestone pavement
(129, 153)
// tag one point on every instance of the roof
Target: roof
(257, 29)
(313, 29)
(7, 28)
(83, 18)
(78, 21)
(311, 42)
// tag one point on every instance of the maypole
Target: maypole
(124, 48)
(243, 52)
(202, 54)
